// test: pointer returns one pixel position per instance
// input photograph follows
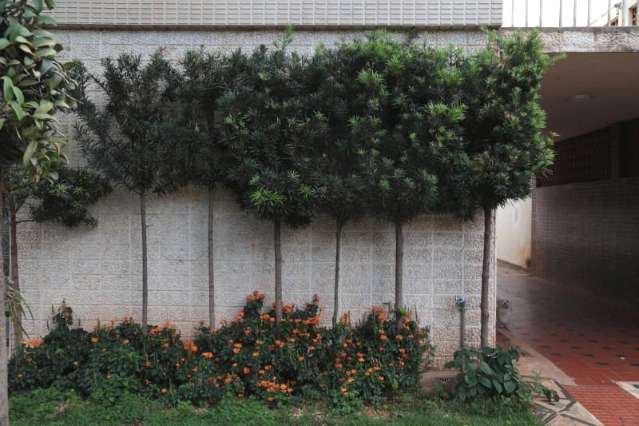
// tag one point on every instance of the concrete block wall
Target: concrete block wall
(98, 270)
(587, 235)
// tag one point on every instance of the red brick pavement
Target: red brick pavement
(593, 341)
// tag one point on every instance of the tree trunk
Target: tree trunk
(277, 245)
(489, 232)
(4, 385)
(338, 252)
(145, 274)
(15, 276)
(399, 266)
(211, 264)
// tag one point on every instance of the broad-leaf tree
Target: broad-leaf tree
(131, 140)
(34, 88)
(504, 128)
(264, 131)
(64, 199)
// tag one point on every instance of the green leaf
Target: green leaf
(17, 109)
(28, 153)
(485, 382)
(4, 43)
(485, 368)
(18, 94)
(47, 20)
(498, 386)
(510, 387)
(7, 89)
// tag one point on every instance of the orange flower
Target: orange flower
(381, 378)
(164, 391)
(246, 371)
(207, 355)
(167, 325)
(256, 295)
(288, 308)
(343, 390)
(255, 354)
(32, 343)
(279, 343)
(94, 339)
(300, 358)
(345, 319)
(125, 342)
(189, 346)
(240, 316)
(379, 312)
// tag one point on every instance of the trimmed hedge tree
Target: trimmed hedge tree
(264, 131)
(505, 133)
(132, 140)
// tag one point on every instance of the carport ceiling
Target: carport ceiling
(606, 87)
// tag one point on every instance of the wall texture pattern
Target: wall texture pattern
(316, 13)
(98, 270)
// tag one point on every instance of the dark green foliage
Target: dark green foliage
(131, 140)
(252, 355)
(265, 128)
(66, 199)
(505, 125)
(397, 164)
(489, 373)
(206, 79)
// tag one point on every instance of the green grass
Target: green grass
(51, 407)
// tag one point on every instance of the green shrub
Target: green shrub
(249, 356)
(489, 373)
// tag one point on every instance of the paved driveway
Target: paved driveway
(594, 341)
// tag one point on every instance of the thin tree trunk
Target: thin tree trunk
(211, 264)
(399, 266)
(277, 245)
(145, 275)
(4, 385)
(489, 232)
(15, 276)
(338, 252)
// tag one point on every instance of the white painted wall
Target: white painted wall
(514, 232)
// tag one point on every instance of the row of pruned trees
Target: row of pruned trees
(372, 126)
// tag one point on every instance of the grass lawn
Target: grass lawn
(49, 407)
